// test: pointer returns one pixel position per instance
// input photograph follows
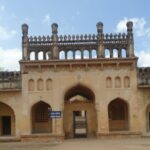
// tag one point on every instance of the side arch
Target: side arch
(41, 123)
(118, 112)
(7, 120)
(148, 118)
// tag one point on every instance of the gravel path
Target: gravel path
(82, 144)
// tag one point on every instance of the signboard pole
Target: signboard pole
(55, 129)
(54, 115)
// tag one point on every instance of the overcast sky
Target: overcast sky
(73, 17)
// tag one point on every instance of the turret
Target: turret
(130, 47)
(25, 30)
(55, 51)
(99, 26)
(25, 42)
(100, 38)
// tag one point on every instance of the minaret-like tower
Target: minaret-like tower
(130, 41)
(25, 42)
(55, 49)
(100, 39)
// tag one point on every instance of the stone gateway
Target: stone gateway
(92, 80)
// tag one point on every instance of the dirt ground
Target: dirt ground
(82, 144)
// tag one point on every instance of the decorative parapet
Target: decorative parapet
(52, 46)
(143, 74)
(63, 39)
(40, 39)
(10, 80)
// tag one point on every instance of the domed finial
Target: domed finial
(129, 26)
(25, 29)
(54, 28)
(99, 27)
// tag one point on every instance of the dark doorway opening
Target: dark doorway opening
(80, 124)
(6, 125)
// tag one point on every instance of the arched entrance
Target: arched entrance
(40, 121)
(7, 120)
(118, 115)
(79, 112)
(148, 118)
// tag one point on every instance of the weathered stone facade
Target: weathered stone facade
(92, 79)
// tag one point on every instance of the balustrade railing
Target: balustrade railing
(10, 80)
(55, 43)
(144, 76)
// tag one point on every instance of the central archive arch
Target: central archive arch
(79, 112)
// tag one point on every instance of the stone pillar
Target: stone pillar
(44, 55)
(111, 53)
(25, 42)
(82, 54)
(100, 38)
(119, 53)
(66, 55)
(90, 54)
(74, 54)
(130, 40)
(36, 55)
(103, 122)
(55, 50)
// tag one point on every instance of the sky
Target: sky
(72, 17)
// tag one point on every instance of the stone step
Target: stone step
(9, 139)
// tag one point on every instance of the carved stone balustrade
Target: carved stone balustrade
(143, 77)
(10, 81)
(51, 47)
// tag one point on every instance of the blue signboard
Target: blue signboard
(55, 114)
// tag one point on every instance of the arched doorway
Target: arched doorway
(148, 118)
(41, 123)
(79, 112)
(118, 115)
(7, 120)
